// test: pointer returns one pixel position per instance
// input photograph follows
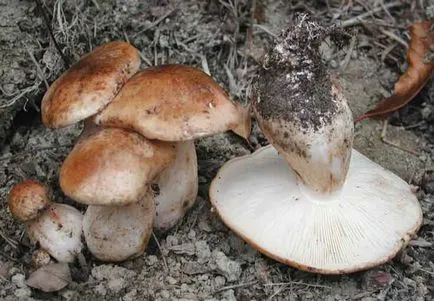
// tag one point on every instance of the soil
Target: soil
(201, 259)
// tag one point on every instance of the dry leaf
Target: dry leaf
(414, 79)
(50, 278)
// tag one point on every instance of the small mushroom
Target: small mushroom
(56, 227)
(175, 103)
(89, 85)
(333, 210)
(177, 187)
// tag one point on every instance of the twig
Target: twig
(47, 23)
(155, 23)
(279, 290)
(347, 58)
(229, 287)
(10, 241)
(38, 68)
(426, 271)
(265, 29)
(394, 37)
(394, 144)
(8, 257)
(24, 92)
(166, 267)
(358, 19)
(145, 59)
(298, 283)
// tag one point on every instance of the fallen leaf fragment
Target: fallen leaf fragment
(418, 73)
(50, 278)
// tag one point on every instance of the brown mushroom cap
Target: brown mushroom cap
(113, 167)
(27, 199)
(89, 85)
(175, 103)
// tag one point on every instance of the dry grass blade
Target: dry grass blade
(416, 76)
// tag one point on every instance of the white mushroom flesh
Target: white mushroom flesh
(364, 224)
(58, 231)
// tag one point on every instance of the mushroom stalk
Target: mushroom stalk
(302, 113)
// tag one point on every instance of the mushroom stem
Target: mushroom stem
(301, 110)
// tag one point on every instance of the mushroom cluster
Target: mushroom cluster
(134, 163)
(333, 210)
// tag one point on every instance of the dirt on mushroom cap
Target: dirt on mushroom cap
(294, 83)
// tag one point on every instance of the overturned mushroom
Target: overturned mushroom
(175, 103)
(333, 211)
(89, 85)
(56, 227)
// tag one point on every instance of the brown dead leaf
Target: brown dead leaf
(50, 278)
(414, 79)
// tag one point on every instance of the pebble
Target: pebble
(229, 268)
(165, 294)
(23, 292)
(19, 280)
(203, 251)
(171, 280)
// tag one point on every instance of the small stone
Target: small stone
(219, 282)
(23, 292)
(191, 234)
(377, 279)
(171, 240)
(116, 285)
(171, 280)
(152, 259)
(333, 64)
(203, 251)
(130, 296)
(229, 268)
(19, 280)
(229, 295)
(68, 294)
(165, 294)
(100, 289)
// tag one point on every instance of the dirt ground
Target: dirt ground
(201, 259)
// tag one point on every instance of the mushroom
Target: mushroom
(333, 210)
(175, 103)
(110, 170)
(56, 227)
(113, 167)
(89, 85)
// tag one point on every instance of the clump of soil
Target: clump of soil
(293, 83)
